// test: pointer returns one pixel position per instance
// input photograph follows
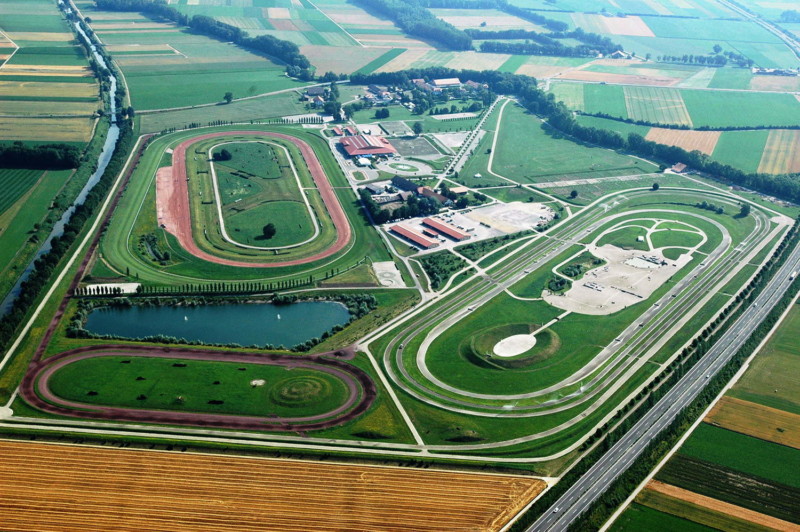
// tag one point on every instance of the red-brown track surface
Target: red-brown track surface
(34, 389)
(175, 206)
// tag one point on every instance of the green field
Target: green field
(528, 152)
(731, 78)
(14, 183)
(741, 149)
(639, 517)
(773, 378)
(257, 187)
(289, 392)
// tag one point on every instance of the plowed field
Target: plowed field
(50, 487)
(688, 139)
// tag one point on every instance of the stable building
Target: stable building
(446, 83)
(416, 238)
(446, 229)
(366, 146)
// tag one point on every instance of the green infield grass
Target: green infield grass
(198, 386)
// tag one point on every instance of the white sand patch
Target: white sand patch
(453, 116)
(512, 217)
(514, 345)
(388, 274)
(452, 140)
(629, 277)
(278, 12)
(255, 383)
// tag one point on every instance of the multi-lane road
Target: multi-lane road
(595, 481)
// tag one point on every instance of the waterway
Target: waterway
(102, 163)
(241, 323)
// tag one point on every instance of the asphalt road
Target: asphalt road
(595, 481)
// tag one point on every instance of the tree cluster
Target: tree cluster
(413, 207)
(544, 43)
(413, 18)
(43, 157)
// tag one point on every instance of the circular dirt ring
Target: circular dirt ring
(178, 215)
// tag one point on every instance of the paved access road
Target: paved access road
(595, 481)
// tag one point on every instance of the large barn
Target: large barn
(366, 146)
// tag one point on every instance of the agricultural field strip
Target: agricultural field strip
(389, 366)
(504, 398)
(299, 185)
(242, 484)
(595, 481)
(16, 48)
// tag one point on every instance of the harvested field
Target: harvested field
(340, 59)
(627, 79)
(782, 152)
(49, 129)
(707, 510)
(660, 106)
(756, 420)
(630, 25)
(477, 61)
(42, 36)
(403, 61)
(39, 108)
(490, 18)
(37, 89)
(157, 490)
(688, 139)
(775, 83)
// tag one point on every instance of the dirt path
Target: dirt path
(175, 206)
(361, 389)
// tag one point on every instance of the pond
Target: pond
(240, 323)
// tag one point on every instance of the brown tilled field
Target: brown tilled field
(688, 139)
(59, 487)
(756, 420)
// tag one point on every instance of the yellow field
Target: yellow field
(660, 106)
(131, 26)
(708, 511)
(41, 36)
(477, 61)
(76, 488)
(704, 141)
(40, 89)
(494, 19)
(756, 420)
(36, 108)
(626, 79)
(782, 152)
(404, 60)
(48, 129)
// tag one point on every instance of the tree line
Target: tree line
(43, 157)
(546, 43)
(413, 18)
(286, 51)
(650, 123)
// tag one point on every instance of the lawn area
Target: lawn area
(625, 238)
(731, 78)
(752, 109)
(741, 149)
(191, 386)
(529, 152)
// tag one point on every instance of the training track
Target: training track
(177, 215)
(361, 389)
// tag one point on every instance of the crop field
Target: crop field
(541, 155)
(781, 153)
(209, 492)
(640, 517)
(186, 69)
(741, 149)
(756, 420)
(688, 139)
(45, 74)
(14, 183)
(659, 106)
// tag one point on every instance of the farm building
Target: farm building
(363, 161)
(318, 101)
(678, 167)
(316, 91)
(459, 190)
(404, 184)
(366, 146)
(337, 131)
(446, 229)
(428, 192)
(350, 130)
(446, 83)
(417, 238)
(374, 188)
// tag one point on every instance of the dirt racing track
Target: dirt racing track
(361, 389)
(173, 202)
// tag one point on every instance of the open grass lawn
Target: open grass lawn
(288, 392)
(662, 239)
(731, 78)
(609, 99)
(290, 218)
(625, 238)
(528, 152)
(639, 517)
(773, 378)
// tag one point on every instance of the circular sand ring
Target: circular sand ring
(514, 345)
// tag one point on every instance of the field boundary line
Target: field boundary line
(78, 251)
(16, 48)
(337, 24)
(700, 418)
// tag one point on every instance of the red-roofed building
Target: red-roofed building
(366, 146)
(337, 131)
(446, 229)
(417, 238)
(350, 130)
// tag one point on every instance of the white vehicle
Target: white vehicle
(791, 277)
(556, 509)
